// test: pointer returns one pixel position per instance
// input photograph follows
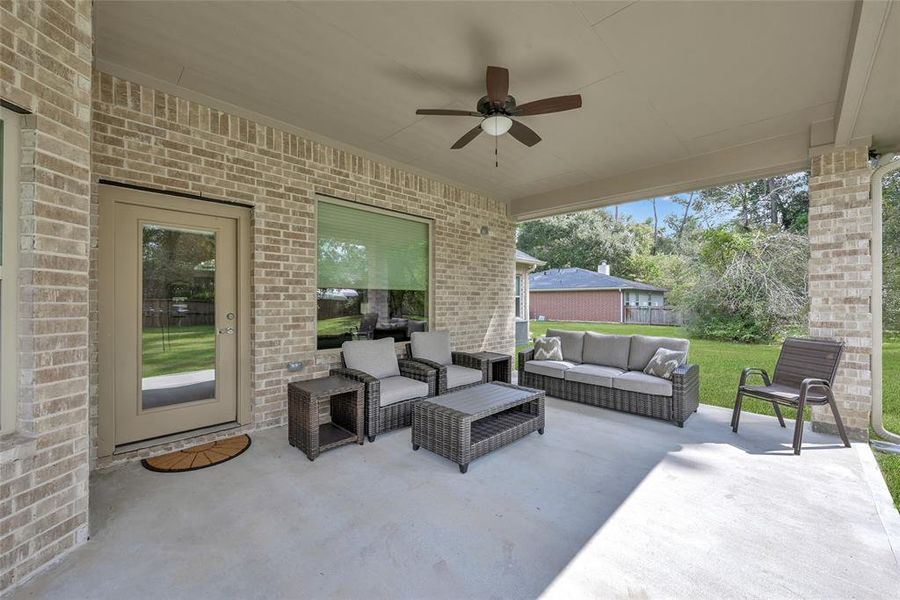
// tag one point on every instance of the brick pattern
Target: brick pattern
(591, 305)
(840, 278)
(146, 137)
(46, 52)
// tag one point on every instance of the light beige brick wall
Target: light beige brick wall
(46, 51)
(840, 278)
(145, 137)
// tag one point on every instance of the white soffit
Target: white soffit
(667, 86)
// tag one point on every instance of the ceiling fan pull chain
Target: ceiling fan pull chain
(496, 154)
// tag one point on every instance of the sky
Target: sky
(641, 210)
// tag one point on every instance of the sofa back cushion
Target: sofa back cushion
(375, 357)
(572, 343)
(643, 347)
(606, 350)
(431, 345)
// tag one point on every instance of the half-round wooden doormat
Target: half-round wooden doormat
(198, 457)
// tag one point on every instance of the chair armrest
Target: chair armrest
(414, 369)
(524, 356)
(464, 359)
(812, 382)
(685, 391)
(440, 373)
(746, 373)
(354, 374)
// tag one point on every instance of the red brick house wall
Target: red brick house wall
(588, 305)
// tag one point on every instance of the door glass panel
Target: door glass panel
(178, 310)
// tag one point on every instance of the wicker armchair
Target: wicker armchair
(380, 416)
(455, 370)
(803, 376)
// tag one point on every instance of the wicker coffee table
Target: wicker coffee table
(467, 424)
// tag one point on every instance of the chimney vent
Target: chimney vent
(603, 268)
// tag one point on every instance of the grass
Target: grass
(338, 325)
(188, 348)
(720, 369)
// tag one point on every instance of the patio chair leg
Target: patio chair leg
(837, 419)
(371, 438)
(778, 413)
(736, 415)
(798, 427)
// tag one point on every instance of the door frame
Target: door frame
(109, 195)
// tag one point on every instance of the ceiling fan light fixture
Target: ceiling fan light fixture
(496, 124)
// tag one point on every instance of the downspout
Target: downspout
(889, 163)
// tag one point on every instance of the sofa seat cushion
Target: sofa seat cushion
(593, 374)
(606, 350)
(572, 343)
(398, 389)
(549, 368)
(431, 345)
(375, 357)
(643, 347)
(636, 381)
(457, 376)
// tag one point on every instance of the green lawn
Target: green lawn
(720, 369)
(188, 348)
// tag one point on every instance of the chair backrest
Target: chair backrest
(367, 325)
(801, 358)
(375, 357)
(431, 345)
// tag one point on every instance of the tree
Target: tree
(583, 239)
(781, 201)
(891, 251)
(751, 286)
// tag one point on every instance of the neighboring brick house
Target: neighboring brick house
(525, 263)
(580, 295)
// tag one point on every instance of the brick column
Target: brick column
(840, 279)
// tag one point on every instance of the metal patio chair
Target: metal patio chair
(803, 376)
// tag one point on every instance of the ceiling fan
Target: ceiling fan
(498, 107)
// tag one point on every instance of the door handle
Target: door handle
(226, 331)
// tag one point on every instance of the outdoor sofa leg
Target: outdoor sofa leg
(778, 413)
(736, 415)
(798, 426)
(371, 438)
(837, 419)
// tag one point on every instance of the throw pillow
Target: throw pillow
(548, 348)
(664, 362)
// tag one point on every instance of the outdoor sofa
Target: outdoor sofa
(392, 385)
(607, 371)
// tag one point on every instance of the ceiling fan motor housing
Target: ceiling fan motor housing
(486, 107)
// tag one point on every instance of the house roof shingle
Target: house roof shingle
(582, 279)
(522, 257)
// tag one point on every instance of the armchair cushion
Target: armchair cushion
(397, 389)
(457, 376)
(607, 350)
(375, 357)
(593, 374)
(572, 344)
(549, 368)
(635, 381)
(643, 347)
(431, 345)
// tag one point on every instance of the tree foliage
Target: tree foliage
(733, 257)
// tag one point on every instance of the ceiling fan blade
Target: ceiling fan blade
(468, 137)
(445, 112)
(524, 134)
(497, 84)
(548, 105)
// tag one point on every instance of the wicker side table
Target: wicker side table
(500, 366)
(345, 397)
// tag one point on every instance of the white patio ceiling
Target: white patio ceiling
(676, 94)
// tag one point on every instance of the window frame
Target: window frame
(9, 269)
(320, 198)
(518, 297)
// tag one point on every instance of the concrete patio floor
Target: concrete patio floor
(605, 504)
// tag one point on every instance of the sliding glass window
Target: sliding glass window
(373, 274)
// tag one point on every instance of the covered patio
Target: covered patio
(189, 154)
(603, 505)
